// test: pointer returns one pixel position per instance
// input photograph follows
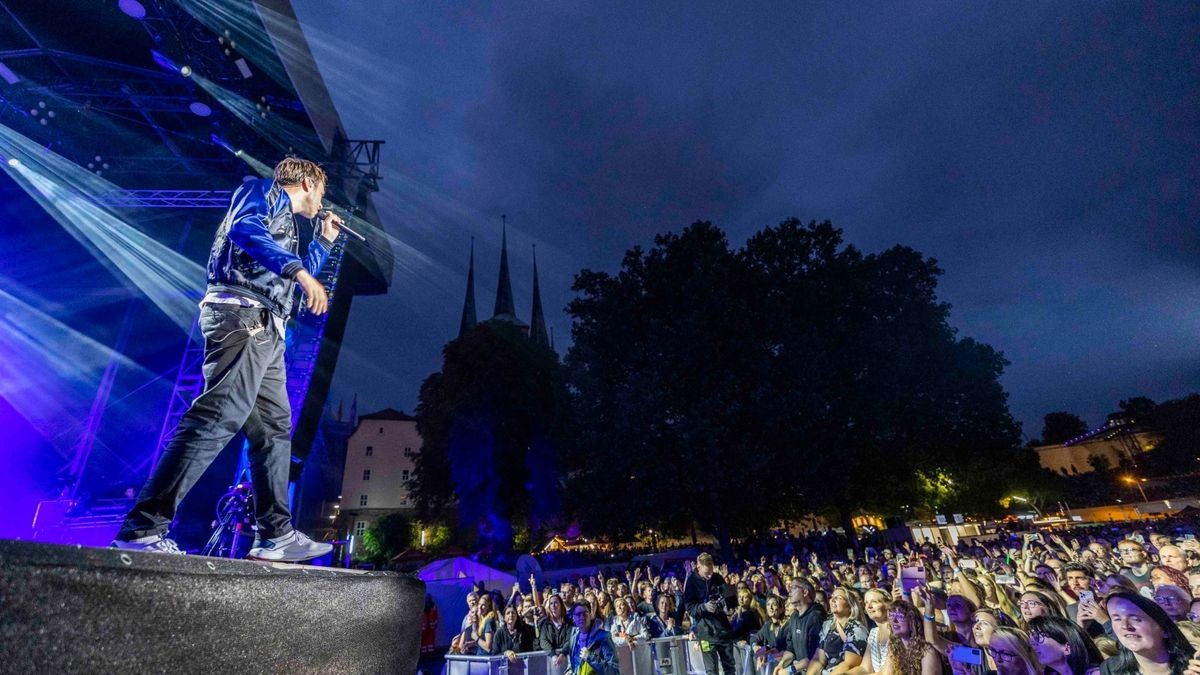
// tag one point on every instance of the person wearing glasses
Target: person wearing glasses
(1135, 564)
(1063, 648)
(908, 652)
(1174, 601)
(1035, 603)
(1012, 653)
(592, 651)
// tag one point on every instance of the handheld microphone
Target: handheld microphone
(343, 227)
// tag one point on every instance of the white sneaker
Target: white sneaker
(155, 543)
(291, 547)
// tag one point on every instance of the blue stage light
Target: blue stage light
(133, 8)
(167, 64)
(224, 144)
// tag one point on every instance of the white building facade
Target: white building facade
(380, 460)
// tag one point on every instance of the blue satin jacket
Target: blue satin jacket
(255, 252)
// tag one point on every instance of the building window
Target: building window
(366, 474)
(362, 501)
(408, 452)
(404, 501)
(360, 527)
(404, 475)
(381, 430)
(370, 450)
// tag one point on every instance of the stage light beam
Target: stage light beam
(69, 193)
(283, 134)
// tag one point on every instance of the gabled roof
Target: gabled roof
(389, 414)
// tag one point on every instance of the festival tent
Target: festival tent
(448, 581)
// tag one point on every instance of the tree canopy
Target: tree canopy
(1060, 427)
(492, 424)
(737, 388)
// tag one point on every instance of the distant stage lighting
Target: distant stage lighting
(167, 64)
(243, 68)
(133, 8)
(223, 143)
(8, 75)
(200, 109)
(282, 133)
(14, 162)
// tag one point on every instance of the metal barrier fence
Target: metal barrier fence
(662, 656)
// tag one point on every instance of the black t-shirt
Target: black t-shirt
(520, 640)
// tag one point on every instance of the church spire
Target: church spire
(468, 315)
(504, 294)
(537, 323)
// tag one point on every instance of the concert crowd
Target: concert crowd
(1111, 600)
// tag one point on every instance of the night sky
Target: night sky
(1046, 154)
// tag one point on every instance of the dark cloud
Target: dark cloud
(1047, 154)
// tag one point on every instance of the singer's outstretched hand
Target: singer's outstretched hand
(314, 293)
(331, 225)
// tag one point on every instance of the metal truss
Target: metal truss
(167, 199)
(359, 160)
(189, 382)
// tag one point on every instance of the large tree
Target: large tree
(1060, 427)
(672, 393)
(492, 424)
(738, 388)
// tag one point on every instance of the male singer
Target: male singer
(253, 270)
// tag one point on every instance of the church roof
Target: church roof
(390, 414)
(504, 294)
(469, 319)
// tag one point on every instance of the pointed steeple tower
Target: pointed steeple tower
(504, 294)
(505, 311)
(468, 316)
(537, 322)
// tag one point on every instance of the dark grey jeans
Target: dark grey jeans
(244, 389)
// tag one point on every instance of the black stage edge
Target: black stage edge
(70, 609)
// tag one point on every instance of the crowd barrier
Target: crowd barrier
(662, 656)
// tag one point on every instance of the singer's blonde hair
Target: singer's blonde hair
(293, 170)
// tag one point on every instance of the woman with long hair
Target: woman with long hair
(908, 652)
(997, 596)
(1168, 576)
(747, 617)
(876, 605)
(1062, 647)
(843, 637)
(604, 606)
(664, 623)
(486, 623)
(1036, 603)
(1150, 642)
(1012, 653)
